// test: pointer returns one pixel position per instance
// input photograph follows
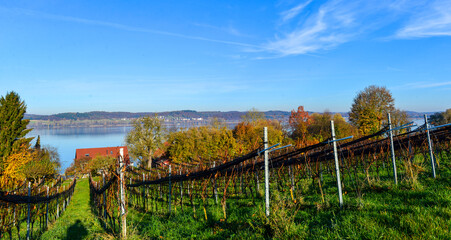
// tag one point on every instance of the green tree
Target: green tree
(399, 118)
(38, 143)
(343, 128)
(13, 128)
(100, 164)
(370, 109)
(253, 116)
(319, 127)
(147, 135)
(45, 163)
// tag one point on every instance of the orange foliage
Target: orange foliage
(299, 116)
(298, 121)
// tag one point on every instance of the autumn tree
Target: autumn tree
(298, 123)
(200, 144)
(319, 127)
(440, 118)
(78, 166)
(447, 116)
(370, 109)
(45, 163)
(342, 127)
(249, 135)
(146, 136)
(13, 128)
(398, 118)
(13, 167)
(100, 163)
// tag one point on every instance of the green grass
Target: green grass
(77, 222)
(419, 210)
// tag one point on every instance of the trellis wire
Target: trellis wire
(38, 203)
(360, 157)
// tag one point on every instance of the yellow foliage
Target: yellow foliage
(14, 164)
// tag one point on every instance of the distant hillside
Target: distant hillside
(230, 115)
(99, 115)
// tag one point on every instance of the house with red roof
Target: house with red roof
(105, 151)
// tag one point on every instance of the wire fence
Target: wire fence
(323, 169)
(27, 210)
(104, 199)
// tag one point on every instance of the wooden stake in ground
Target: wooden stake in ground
(122, 192)
(337, 166)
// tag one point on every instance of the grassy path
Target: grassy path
(77, 222)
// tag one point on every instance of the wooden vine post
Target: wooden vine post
(430, 145)
(265, 140)
(392, 149)
(215, 185)
(29, 212)
(170, 189)
(57, 203)
(104, 201)
(122, 192)
(337, 166)
(47, 209)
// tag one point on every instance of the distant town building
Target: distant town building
(105, 151)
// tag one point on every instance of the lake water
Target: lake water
(67, 140)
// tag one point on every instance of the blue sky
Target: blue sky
(77, 56)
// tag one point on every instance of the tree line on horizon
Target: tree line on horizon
(101, 115)
(148, 140)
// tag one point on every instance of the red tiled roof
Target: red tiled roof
(106, 151)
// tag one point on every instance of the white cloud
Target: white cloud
(337, 21)
(333, 23)
(433, 20)
(293, 12)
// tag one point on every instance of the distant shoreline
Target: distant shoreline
(108, 123)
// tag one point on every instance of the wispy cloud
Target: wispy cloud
(293, 12)
(433, 20)
(335, 22)
(122, 26)
(421, 85)
(228, 29)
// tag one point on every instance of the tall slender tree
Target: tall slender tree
(37, 146)
(13, 126)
